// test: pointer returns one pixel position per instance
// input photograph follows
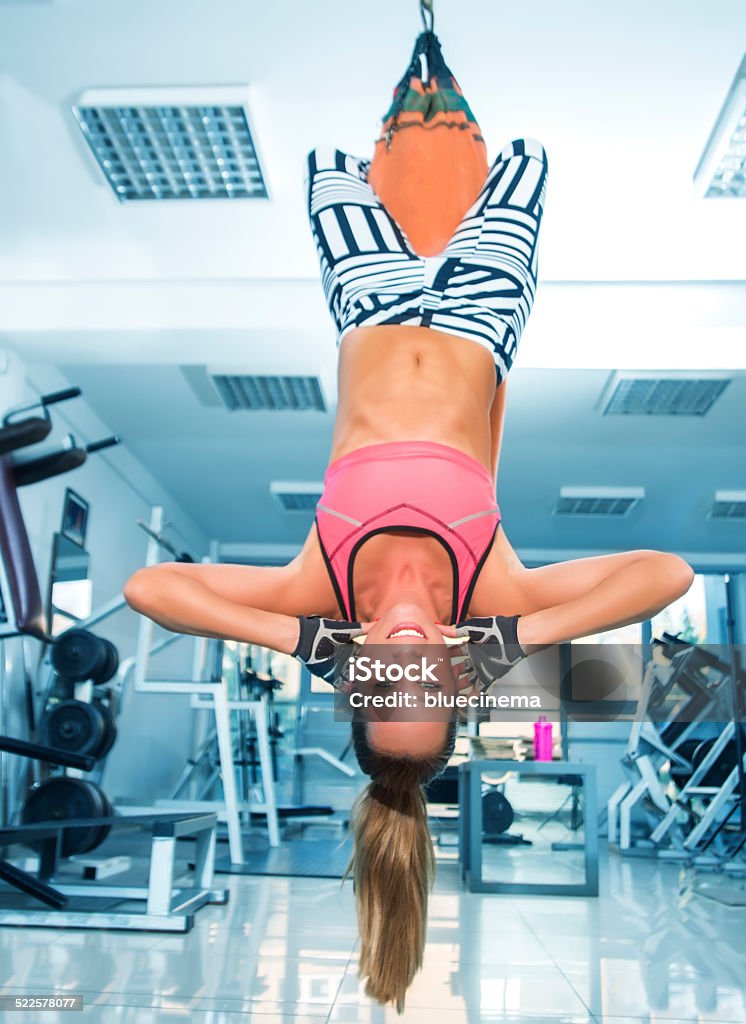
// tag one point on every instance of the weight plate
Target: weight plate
(78, 655)
(103, 831)
(74, 725)
(62, 798)
(497, 813)
(111, 663)
(110, 730)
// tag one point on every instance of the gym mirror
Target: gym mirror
(69, 587)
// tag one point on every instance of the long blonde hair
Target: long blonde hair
(393, 864)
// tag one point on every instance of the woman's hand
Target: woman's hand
(318, 641)
(491, 650)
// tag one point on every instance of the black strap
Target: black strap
(427, 45)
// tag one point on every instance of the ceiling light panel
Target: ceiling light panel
(173, 144)
(721, 172)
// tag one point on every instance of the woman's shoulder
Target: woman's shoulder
(314, 592)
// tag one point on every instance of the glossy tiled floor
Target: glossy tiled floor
(285, 950)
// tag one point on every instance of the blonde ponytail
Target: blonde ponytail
(393, 865)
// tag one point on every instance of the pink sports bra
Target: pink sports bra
(407, 485)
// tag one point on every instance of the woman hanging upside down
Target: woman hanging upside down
(429, 265)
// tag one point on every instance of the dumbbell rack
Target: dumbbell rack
(77, 664)
(60, 695)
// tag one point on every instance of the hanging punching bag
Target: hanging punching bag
(430, 161)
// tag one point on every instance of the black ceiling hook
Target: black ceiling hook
(426, 8)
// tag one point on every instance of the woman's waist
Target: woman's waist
(411, 348)
(400, 382)
(396, 362)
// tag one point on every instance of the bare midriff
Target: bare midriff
(400, 383)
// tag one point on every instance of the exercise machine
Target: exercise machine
(59, 829)
(208, 690)
(684, 767)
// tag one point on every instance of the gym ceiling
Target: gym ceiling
(638, 272)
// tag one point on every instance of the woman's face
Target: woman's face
(408, 624)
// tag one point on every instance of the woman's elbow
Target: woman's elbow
(677, 574)
(138, 590)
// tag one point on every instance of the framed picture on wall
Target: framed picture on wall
(74, 517)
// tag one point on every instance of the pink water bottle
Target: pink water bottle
(542, 740)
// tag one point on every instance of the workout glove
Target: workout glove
(318, 642)
(492, 649)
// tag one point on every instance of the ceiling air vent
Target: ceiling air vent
(649, 394)
(173, 143)
(253, 392)
(730, 505)
(296, 496)
(269, 394)
(721, 172)
(597, 501)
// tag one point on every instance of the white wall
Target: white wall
(154, 730)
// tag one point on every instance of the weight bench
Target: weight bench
(167, 908)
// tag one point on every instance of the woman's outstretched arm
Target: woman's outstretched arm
(572, 599)
(253, 604)
(195, 602)
(591, 595)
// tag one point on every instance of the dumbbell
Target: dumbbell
(78, 655)
(79, 727)
(61, 798)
